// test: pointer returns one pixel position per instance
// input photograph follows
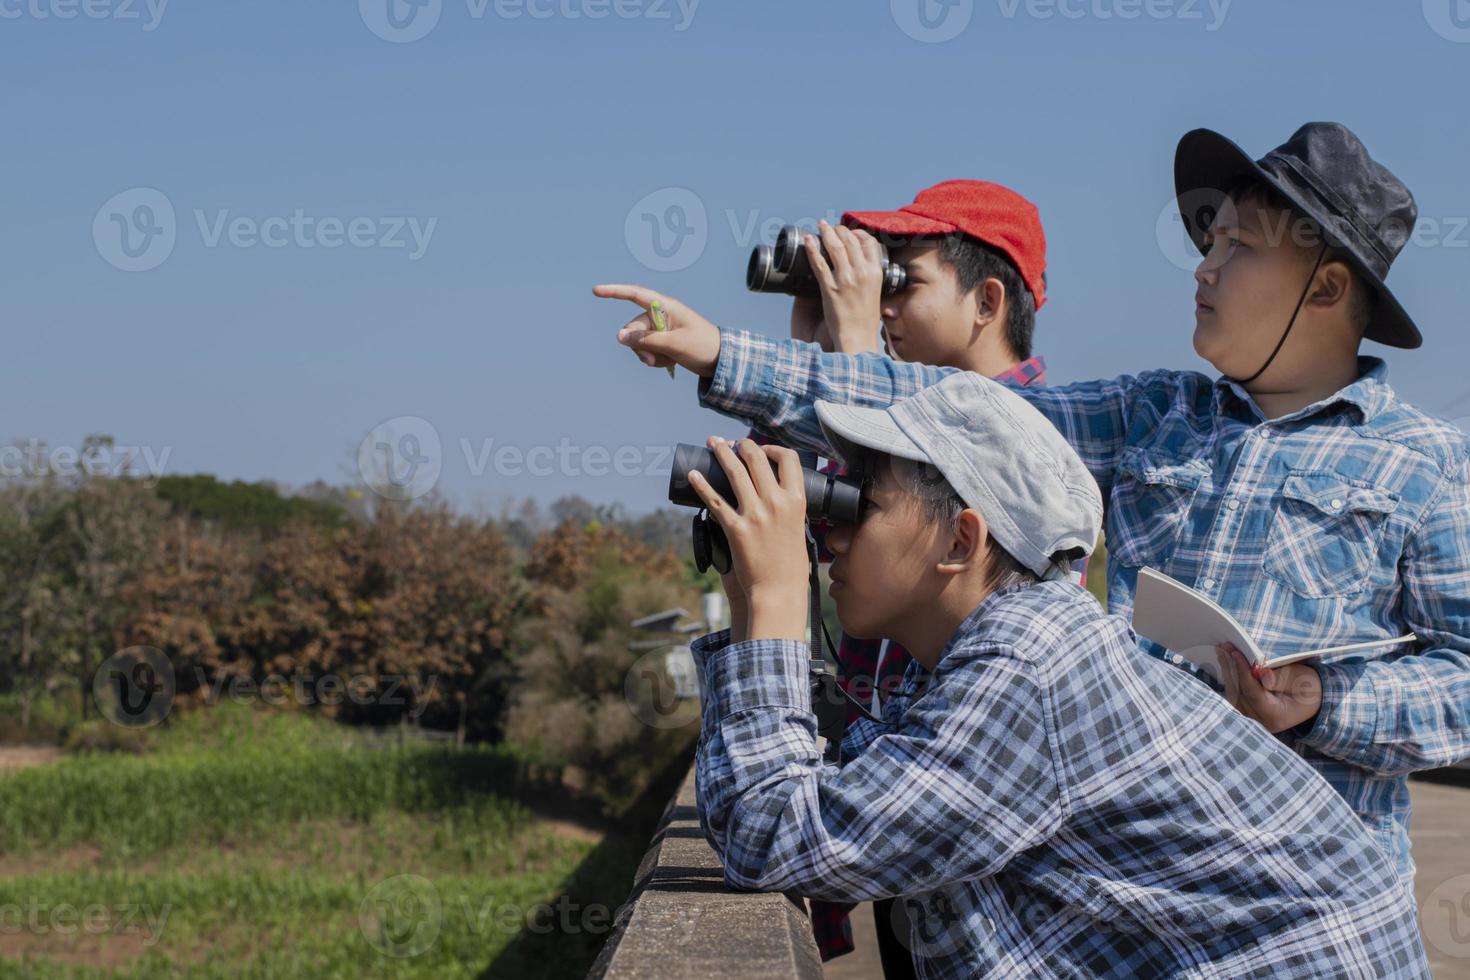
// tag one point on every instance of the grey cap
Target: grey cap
(1002, 456)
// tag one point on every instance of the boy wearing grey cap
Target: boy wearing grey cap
(1065, 805)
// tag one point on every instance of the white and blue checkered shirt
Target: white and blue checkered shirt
(1050, 802)
(1346, 521)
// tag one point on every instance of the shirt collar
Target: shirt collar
(987, 606)
(1370, 394)
(1031, 371)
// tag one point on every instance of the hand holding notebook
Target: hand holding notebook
(1191, 624)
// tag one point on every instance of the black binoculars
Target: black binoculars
(784, 268)
(828, 498)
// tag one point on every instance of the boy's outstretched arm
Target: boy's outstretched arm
(774, 385)
(1397, 715)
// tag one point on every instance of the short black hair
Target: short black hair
(1363, 298)
(974, 262)
(932, 492)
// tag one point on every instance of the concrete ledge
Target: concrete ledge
(681, 921)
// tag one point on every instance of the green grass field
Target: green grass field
(266, 844)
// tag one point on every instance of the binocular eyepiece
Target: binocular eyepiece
(828, 498)
(784, 268)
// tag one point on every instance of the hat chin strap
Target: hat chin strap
(1290, 323)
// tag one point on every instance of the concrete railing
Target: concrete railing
(681, 921)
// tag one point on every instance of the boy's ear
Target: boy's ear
(1334, 285)
(966, 543)
(990, 298)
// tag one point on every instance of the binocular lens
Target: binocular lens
(830, 498)
(785, 268)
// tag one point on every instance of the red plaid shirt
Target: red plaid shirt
(865, 664)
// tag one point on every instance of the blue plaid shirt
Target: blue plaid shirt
(1051, 802)
(1346, 521)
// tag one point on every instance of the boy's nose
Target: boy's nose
(839, 536)
(1205, 272)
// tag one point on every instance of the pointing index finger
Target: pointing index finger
(641, 295)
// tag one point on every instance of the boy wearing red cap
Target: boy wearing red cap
(975, 254)
(1296, 490)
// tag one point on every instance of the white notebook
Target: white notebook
(1175, 616)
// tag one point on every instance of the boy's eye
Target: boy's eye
(1231, 242)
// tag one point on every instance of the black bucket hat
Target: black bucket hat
(1326, 173)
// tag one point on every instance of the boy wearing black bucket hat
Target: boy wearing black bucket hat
(1296, 489)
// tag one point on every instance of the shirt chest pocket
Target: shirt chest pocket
(1325, 535)
(1149, 504)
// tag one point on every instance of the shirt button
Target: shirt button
(1233, 503)
(1208, 583)
(1336, 504)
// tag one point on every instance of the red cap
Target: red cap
(995, 215)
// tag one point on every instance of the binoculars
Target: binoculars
(784, 268)
(828, 498)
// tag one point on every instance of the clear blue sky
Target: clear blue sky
(528, 141)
